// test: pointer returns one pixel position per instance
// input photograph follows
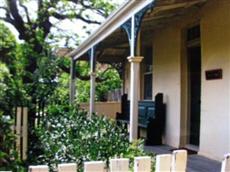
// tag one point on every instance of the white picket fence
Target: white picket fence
(175, 162)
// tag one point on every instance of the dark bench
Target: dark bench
(151, 116)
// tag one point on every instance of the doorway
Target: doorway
(194, 98)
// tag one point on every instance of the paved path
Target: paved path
(196, 163)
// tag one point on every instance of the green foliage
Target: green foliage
(11, 92)
(8, 156)
(7, 47)
(111, 81)
(61, 92)
(67, 134)
(104, 3)
(83, 91)
(8, 97)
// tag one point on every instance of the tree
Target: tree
(35, 22)
(35, 30)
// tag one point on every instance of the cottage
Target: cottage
(180, 48)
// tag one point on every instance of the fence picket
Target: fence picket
(39, 168)
(94, 166)
(142, 164)
(25, 133)
(119, 165)
(18, 130)
(179, 161)
(163, 163)
(69, 167)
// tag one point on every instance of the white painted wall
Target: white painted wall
(214, 18)
(215, 94)
(215, 104)
(166, 78)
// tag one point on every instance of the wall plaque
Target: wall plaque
(214, 74)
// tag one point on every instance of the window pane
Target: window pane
(148, 86)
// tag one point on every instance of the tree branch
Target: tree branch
(98, 10)
(40, 2)
(4, 8)
(7, 17)
(43, 18)
(62, 17)
(26, 11)
(17, 19)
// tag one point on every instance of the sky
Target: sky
(67, 27)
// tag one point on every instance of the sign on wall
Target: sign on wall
(214, 74)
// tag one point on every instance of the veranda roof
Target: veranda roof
(113, 40)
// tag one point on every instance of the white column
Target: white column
(92, 83)
(72, 81)
(134, 92)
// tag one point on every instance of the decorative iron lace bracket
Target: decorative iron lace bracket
(138, 17)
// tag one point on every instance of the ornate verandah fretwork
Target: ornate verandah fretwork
(135, 23)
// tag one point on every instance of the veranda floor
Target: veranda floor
(196, 163)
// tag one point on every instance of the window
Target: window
(148, 73)
(193, 33)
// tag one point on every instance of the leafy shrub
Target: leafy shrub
(67, 134)
(8, 156)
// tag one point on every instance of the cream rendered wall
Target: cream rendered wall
(215, 94)
(166, 78)
(215, 98)
(108, 109)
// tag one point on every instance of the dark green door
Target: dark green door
(194, 55)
